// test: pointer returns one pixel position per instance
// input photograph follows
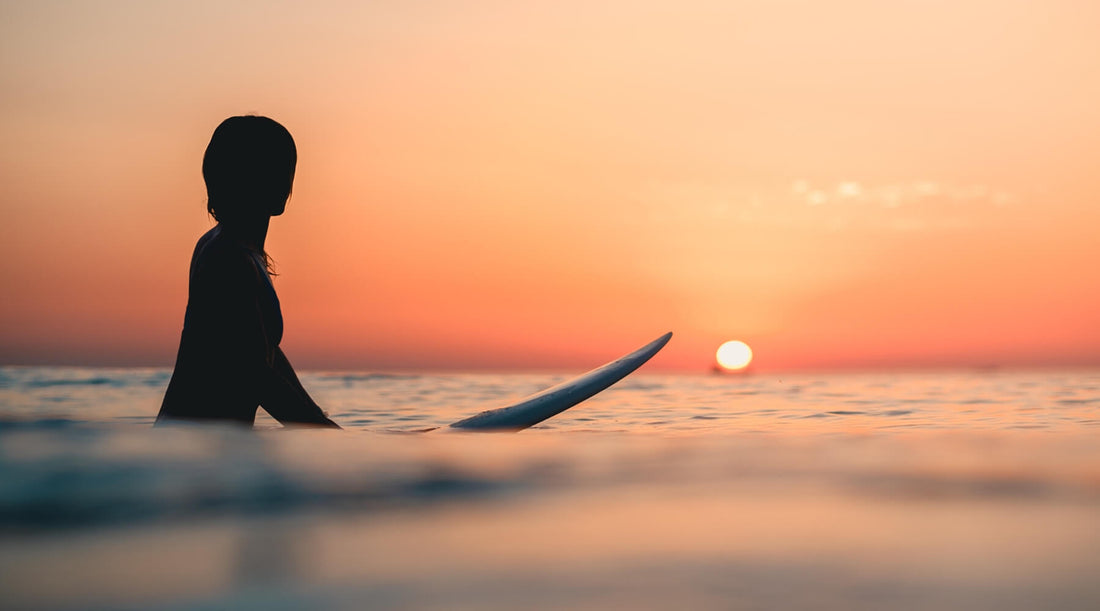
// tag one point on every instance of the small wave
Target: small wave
(118, 494)
(157, 380)
(94, 381)
(80, 482)
(39, 424)
(350, 378)
(641, 385)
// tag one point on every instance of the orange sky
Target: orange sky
(488, 185)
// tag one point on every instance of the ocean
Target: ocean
(929, 490)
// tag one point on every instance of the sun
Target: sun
(734, 356)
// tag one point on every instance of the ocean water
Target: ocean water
(958, 490)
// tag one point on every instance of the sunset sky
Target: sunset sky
(545, 185)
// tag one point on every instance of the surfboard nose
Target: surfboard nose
(557, 399)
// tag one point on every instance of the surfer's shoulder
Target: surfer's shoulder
(219, 255)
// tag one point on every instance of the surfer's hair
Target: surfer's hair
(248, 168)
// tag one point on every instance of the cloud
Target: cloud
(897, 195)
(828, 206)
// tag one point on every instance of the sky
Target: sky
(547, 185)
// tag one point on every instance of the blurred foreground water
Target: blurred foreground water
(902, 491)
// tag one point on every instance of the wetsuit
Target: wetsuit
(229, 360)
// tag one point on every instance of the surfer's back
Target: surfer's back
(231, 327)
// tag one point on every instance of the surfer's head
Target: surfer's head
(249, 169)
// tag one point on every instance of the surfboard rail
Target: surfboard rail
(547, 403)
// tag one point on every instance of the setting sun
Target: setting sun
(734, 355)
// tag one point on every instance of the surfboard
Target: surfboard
(556, 399)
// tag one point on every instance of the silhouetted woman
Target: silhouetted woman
(229, 360)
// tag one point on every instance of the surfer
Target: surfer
(229, 360)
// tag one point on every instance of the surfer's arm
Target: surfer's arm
(231, 290)
(274, 381)
(285, 398)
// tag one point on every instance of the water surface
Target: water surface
(931, 490)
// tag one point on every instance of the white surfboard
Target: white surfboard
(556, 399)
